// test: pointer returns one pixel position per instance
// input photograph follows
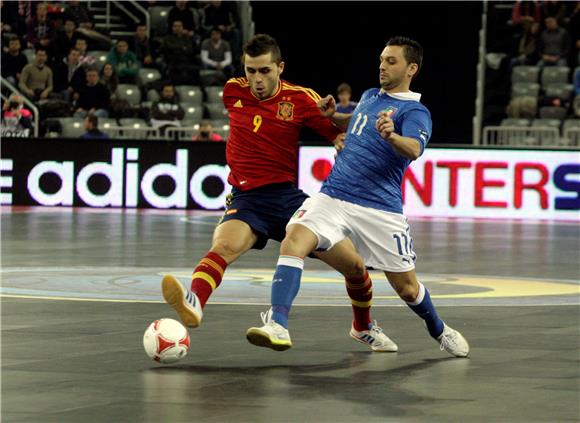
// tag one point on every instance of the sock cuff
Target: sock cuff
(420, 296)
(291, 261)
(219, 260)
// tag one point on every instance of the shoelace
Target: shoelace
(447, 340)
(376, 328)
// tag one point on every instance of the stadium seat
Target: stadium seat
(571, 131)
(147, 76)
(561, 90)
(189, 94)
(193, 112)
(152, 95)
(106, 123)
(214, 94)
(133, 122)
(129, 92)
(29, 54)
(158, 19)
(552, 74)
(525, 74)
(515, 122)
(71, 127)
(552, 112)
(521, 89)
(100, 58)
(550, 123)
(216, 111)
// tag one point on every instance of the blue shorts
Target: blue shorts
(266, 209)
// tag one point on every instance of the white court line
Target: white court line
(103, 300)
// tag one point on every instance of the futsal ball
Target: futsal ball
(166, 341)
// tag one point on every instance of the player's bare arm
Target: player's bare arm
(405, 146)
(327, 107)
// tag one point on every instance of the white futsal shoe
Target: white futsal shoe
(272, 335)
(453, 342)
(183, 301)
(374, 338)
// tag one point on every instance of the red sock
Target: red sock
(360, 291)
(207, 276)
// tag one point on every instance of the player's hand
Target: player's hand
(339, 142)
(327, 106)
(385, 125)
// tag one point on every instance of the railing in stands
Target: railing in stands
(480, 84)
(29, 104)
(517, 136)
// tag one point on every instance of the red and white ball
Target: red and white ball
(166, 341)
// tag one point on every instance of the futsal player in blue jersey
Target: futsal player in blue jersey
(362, 200)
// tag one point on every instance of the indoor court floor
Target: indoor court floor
(80, 286)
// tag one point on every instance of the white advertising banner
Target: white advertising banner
(480, 183)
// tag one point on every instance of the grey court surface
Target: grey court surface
(79, 288)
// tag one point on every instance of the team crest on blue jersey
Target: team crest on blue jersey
(285, 110)
(390, 110)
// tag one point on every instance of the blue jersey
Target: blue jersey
(368, 171)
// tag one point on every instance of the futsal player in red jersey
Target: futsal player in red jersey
(266, 115)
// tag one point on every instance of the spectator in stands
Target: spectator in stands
(142, 45)
(188, 17)
(528, 44)
(216, 54)
(206, 132)
(526, 11)
(224, 15)
(64, 40)
(109, 78)
(179, 56)
(13, 61)
(344, 93)
(166, 111)
(40, 28)
(556, 9)
(36, 77)
(94, 98)
(554, 44)
(124, 61)
(12, 23)
(79, 13)
(69, 75)
(15, 118)
(91, 124)
(84, 59)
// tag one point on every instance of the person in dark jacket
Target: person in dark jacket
(94, 98)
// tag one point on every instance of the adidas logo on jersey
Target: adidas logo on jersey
(238, 104)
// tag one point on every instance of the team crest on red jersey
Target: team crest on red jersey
(285, 110)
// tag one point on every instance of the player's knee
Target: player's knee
(407, 291)
(356, 269)
(226, 249)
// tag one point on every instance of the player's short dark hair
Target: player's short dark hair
(261, 44)
(412, 50)
(93, 120)
(344, 87)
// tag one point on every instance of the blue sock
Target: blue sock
(285, 286)
(426, 311)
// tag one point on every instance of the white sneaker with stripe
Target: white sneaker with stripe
(374, 338)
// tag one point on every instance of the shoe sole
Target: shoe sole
(374, 350)
(257, 337)
(174, 295)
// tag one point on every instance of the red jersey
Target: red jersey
(262, 146)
